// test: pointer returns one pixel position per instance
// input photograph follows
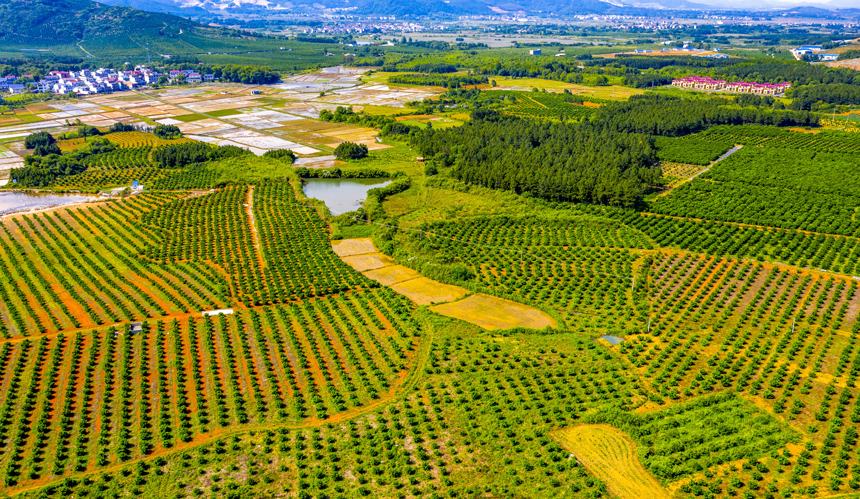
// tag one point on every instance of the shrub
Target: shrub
(88, 131)
(350, 150)
(285, 155)
(37, 139)
(167, 132)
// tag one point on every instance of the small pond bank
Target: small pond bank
(20, 201)
(341, 195)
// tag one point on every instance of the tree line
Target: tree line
(809, 97)
(581, 163)
(188, 153)
(438, 80)
(673, 116)
(47, 163)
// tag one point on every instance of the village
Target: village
(707, 83)
(98, 81)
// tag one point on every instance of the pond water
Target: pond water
(14, 202)
(341, 195)
(613, 340)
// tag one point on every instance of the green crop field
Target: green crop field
(694, 261)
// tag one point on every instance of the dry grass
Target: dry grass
(368, 261)
(609, 92)
(495, 313)
(424, 291)
(392, 274)
(610, 455)
(847, 63)
(349, 247)
(70, 145)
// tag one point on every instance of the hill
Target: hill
(57, 22)
(211, 9)
(409, 9)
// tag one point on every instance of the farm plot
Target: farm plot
(581, 267)
(818, 251)
(488, 312)
(295, 260)
(784, 338)
(77, 268)
(209, 105)
(84, 401)
(444, 435)
(9, 160)
(539, 105)
(609, 454)
(362, 255)
(700, 434)
(323, 134)
(788, 189)
(494, 313)
(378, 95)
(780, 138)
(675, 174)
(119, 167)
(692, 149)
(140, 139)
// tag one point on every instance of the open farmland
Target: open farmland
(685, 325)
(282, 116)
(608, 453)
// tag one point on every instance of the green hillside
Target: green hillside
(80, 30)
(70, 21)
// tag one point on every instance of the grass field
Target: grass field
(610, 92)
(611, 455)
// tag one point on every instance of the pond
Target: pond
(613, 340)
(14, 202)
(341, 195)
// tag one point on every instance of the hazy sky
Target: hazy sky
(782, 3)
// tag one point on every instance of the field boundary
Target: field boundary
(483, 310)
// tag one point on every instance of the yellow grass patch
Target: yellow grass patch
(678, 173)
(846, 63)
(140, 139)
(70, 145)
(368, 261)
(610, 455)
(425, 291)
(392, 274)
(349, 247)
(609, 92)
(482, 310)
(494, 313)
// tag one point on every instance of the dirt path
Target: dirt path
(252, 223)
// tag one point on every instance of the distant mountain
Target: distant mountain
(404, 8)
(413, 8)
(70, 21)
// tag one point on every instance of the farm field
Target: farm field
(204, 329)
(281, 116)
(608, 453)
(611, 92)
